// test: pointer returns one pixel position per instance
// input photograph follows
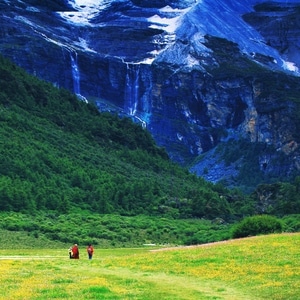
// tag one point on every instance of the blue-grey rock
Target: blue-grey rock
(194, 73)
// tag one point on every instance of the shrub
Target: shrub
(291, 223)
(257, 225)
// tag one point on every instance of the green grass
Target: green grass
(264, 267)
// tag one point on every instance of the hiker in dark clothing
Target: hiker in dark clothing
(90, 251)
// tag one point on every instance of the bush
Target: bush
(291, 223)
(257, 225)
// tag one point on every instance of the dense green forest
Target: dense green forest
(61, 156)
(59, 153)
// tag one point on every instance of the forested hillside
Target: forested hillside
(61, 154)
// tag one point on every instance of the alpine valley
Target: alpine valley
(215, 82)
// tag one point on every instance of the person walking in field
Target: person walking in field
(70, 252)
(75, 251)
(90, 251)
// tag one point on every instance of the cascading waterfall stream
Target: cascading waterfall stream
(137, 93)
(132, 88)
(75, 72)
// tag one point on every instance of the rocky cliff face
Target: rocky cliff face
(197, 74)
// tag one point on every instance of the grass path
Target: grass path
(180, 287)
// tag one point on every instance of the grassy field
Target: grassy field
(264, 267)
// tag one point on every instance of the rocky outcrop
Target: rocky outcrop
(279, 24)
(196, 74)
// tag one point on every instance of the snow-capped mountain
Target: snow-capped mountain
(194, 72)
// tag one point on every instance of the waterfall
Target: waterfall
(132, 88)
(146, 98)
(75, 72)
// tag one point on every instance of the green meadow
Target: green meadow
(261, 267)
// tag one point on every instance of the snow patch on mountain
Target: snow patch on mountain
(198, 18)
(86, 10)
(224, 19)
(168, 24)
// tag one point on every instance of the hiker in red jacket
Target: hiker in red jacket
(90, 251)
(75, 251)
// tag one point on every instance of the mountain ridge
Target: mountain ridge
(195, 73)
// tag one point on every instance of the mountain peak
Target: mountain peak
(194, 73)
